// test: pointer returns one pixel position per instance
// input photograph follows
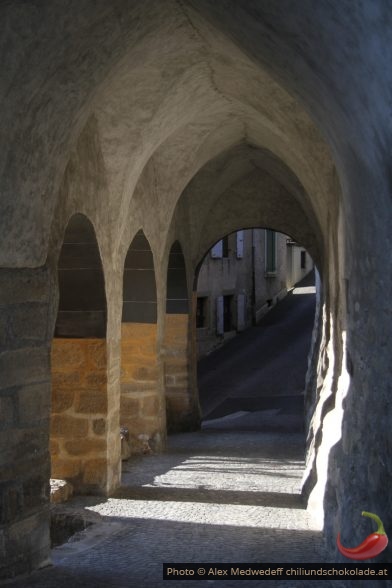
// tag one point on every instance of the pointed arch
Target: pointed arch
(140, 406)
(82, 301)
(79, 363)
(139, 286)
(177, 290)
(181, 411)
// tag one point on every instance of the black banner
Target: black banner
(274, 571)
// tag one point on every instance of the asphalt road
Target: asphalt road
(262, 370)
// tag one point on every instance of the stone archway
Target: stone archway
(181, 411)
(244, 187)
(237, 279)
(140, 402)
(288, 81)
(79, 365)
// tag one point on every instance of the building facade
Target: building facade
(241, 278)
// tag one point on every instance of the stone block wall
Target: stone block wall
(180, 410)
(24, 420)
(140, 403)
(79, 413)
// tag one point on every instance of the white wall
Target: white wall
(295, 272)
(242, 275)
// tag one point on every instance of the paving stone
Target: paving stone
(215, 496)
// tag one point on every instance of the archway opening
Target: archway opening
(139, 402)
(255, 323)
(79, 364)
(246, 186)
(180, 410)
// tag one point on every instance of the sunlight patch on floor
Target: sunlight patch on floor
(237, 515)
(229, 473)
(305, 290)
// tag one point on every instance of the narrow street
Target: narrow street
(228, 493)
(263, 369)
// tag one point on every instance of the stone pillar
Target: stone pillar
(181, 412)
(24, 420)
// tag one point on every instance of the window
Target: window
(201, 312)
(303, 259)
(270, 251)
(227, 313)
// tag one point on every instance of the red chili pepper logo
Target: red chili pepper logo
(372, 546)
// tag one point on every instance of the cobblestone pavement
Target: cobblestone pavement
(229, 493)
(215, 496)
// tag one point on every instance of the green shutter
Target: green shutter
(270, 253)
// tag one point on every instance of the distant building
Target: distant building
(298, 263)
(241, 278)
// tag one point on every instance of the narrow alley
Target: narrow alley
(228, 493)
(264, 367)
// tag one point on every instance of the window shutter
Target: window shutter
(217, 250)
(219, 316)
(240, 244)
(270, 251)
